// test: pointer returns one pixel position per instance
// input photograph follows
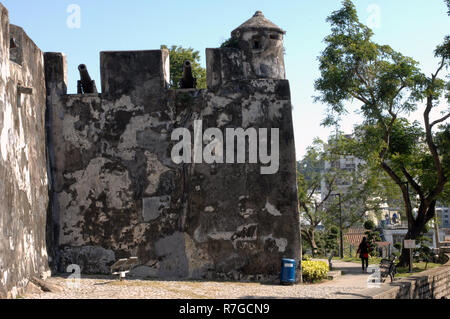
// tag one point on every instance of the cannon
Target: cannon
(85, 85)
(188, 81)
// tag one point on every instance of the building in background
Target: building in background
(443, 213)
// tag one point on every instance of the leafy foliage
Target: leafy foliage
(319, 178)
(423, 251)
(314, 270)
(388, 86)
(369, 225)
(373, 237)
(331, 239)
(178, 55)
(230, 43)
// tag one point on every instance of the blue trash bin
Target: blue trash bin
(287, 276)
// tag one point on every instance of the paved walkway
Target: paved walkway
(352, 281)
(352, 275)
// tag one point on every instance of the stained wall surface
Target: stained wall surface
(23, 170)
(120, 194)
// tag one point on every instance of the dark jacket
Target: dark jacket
(363, 249)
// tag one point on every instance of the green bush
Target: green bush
(369, 225)
(306, 257)
(231, 43)
(314, 270)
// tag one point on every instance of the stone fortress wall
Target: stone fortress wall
(119, 193)
(23, 164)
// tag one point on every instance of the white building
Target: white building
(443, 213)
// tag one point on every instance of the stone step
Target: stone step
(334, 274)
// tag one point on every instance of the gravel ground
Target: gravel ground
(102, 288)
(349, 285)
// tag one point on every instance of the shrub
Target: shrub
(231, 43)
(314, 270)
(306, 257)
(369, 225)
(372, 238)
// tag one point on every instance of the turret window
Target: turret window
(257, 44)
(275, 37)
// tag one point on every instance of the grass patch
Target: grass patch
(372, 260)
(403, 272)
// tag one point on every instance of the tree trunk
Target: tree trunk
(412, 233)
(309, 235)
(313, 243)
(415, 228)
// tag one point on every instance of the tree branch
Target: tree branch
(406, 198)
(433, 149)
(442, 119)
(416, 186)
(434, 76)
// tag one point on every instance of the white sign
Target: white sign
(409, 244)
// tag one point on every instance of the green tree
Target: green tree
(389, 85)
(309, 178)
(369, 225)
(423, 251)
(373, 237)
(331, 239)
(317, 185)
(178, 55)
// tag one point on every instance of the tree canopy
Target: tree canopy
(178, 55)
(389, 86)
(320, 178)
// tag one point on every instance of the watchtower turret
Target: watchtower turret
(262, 43)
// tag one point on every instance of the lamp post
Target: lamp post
(301, 248)
(340, 227)
(410, 250)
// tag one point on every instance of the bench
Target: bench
(387, 268)
(123, 266)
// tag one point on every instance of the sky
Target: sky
(412, 27)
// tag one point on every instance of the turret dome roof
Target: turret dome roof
(258, 22)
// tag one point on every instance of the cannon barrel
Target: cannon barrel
(86, 85)
(84, 74)
(188, 81)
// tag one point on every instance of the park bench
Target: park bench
(387, 268)
(123, 266)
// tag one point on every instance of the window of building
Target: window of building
(275, 36)
(257, 44)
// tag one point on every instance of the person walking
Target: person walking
(363, 251)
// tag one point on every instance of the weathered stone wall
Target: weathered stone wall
(23, 172)
(119, 194)
(430, 284)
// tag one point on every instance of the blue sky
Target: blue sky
(413, 27)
